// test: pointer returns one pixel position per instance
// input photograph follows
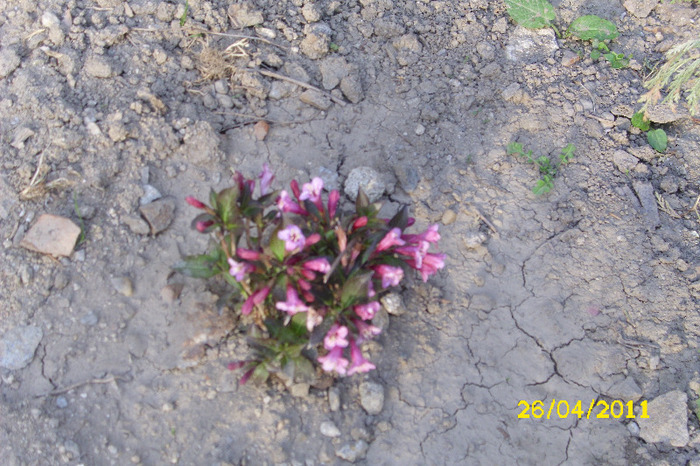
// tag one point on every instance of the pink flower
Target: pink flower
(430, 264)
(366, 311)
(293, 303)
(391, 276)
(334, 361)
(359, 223)
(370, 289)
(366, 331)
(293, 238)
(311, 240)
(393, 238)
(247, 254)
(417, 252)
(359, 363)
(312, 191)
(320, 264)
(313, 318)
(333, 199)
(203, 226)
(266, 178)
(254, 299)
(304, 285)
(195, 203)
(336, 336)
(286, 204)
(430, 235)
(238, 270)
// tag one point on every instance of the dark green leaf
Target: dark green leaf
(355, 288)
(534, 14)
(260, 374)
(657, 139)
(277, 245)
(617, 60)
(515, 148)
(591, 27)
(311, 208)
(640, 121)
(227, 208)
(567, 153)
(595, 54)
(199, 266)
(362, 200)
(400, 220)
(212, 199)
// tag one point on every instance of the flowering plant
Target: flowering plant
(309, 276)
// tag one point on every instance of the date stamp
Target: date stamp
(562, 409)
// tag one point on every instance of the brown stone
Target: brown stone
(52, 235)
(159, 214)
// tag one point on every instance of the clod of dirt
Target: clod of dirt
(669, 422)
(97, 67)
(18, 345)
(333, 69)
(366, 178)
(448, 217)
(316, 99)
(640, 8)
(626, 389)
(243, 15)
(333, 399)
(645, 193)
(664, 113)
(624, 161)
(316, 43)
(159, 214)
(9, 61)
(329, 429)
(52, 235)
(352, 451)
(531, 46)
(372, 397)
(123, 285)
(351, 87)
(260, 130)
(170, 293)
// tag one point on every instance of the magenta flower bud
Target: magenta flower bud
(359, 363)
(311, 240)
(333, 199)
(247, 254)
(195, 203)
(320, 264)
(232, 366)
(295, 188)
(304, 285)
(254, 299)
(246, 376)
(359, 223)
(202, 226)
(393, 238)
(266, 178)
(366, 331)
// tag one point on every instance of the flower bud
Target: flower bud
(195, 203)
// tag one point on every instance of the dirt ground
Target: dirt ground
(588, 293)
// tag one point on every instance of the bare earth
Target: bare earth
(587, 293)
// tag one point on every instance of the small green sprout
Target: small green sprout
(547, 169)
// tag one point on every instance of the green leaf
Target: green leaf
(657, 139)
(277, 245)
(400, 220)
(617, 60)
(362, 200)
(260, 374)
(595, 54)
(183, 18)
(355, 288)
(567, 153)
(543, 186)
(514, 148)
(534, 14)
(640, 121)
(199, 266)
(226, 202)
(592, 27)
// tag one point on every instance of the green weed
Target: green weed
(82, 238)
(183, 18)
(547, 169)
(657, 138)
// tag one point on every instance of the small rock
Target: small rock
(21, 134)
(97, 67)
(408, 177)
(281, 89)
(52, 235)
(570, 58)
(136, 225)
(150, 194)
(329, 177)
(9, 61)
(260, 130)
(473, 240)
(531, 45)
(315, 44)
(393, 304)
(624, 161)
(667, 421)
(501, 26)
(633, 429)
(366, 178)
(372, 397)
(61, 402)
(328, 429)
(640, 8)
(408, 42)
(316, 99)
(333, 69)
(299, 390)
(18, 345)
(61, 280)
(123, 285)
(669, 184)
(352, 451)
(420, 130)
(510, 92)
(243, 15)
(448, 217)
(311, 12)
(89, 319)
(170, 293)
(664, 113)
(645, 193)
(333, 399)
(72, 448)
(351, 87)
(381, 319)
(159, 214)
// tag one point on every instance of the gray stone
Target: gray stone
(381, 319)
(9, 61)
(243, 15)
(531, 45)
(299, 390)
(372, 397)
(61, 402)
(98, 67)
(18, 345)
(330, 178)
(640, 8)
(150, 194)
(159, 214)
(333, 399)
(449, 217)
(351, 87)
(366, 178)
(624, 161)
(136, 225)
(352, 451)
(408, 176)
(633, 429)
(645, 193)
(123, 285)
(316, 99)
(333, 69)
(473, 240)
(625, 390)
(667, 421)
(89, 319)
(328, 429)
(281, 89)
(52, 235)
(20, 135)
(393, 304)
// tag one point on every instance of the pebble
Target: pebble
(150, 194)
(366, 178)
(159, 214)
(299, 390)
(633, 429)
(473, 240)
(352, 451)
(18, 345)
(393, 304)
(351, 87)
(136, 225)
(624, 161)
(420, 130)
(448, 217)
(260, 130)
(170, 293)
(315, 44)
(333, 399)
(52, 235)
(97, 67)
(531, 46)
(243, 15)
(123, 285)
(20, 136)
(329, 429)
(668, 420)
(311, 12)
(316, 99)
(61, 402)
(645, 193)
(408, 177)
(333, 69)
(372, 397)
(61, 280)
(9, 61)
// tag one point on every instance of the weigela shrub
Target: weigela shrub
(308, 277)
